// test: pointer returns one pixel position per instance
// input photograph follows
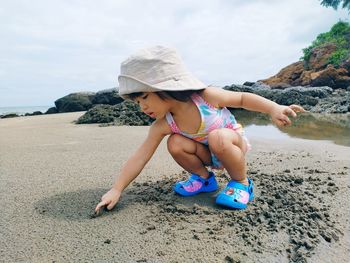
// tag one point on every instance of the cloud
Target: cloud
(56, 47)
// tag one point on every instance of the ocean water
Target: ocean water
(24, 109)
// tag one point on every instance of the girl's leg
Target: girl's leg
(230, 148)
(191, 155)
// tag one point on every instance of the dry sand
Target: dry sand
(53, 173)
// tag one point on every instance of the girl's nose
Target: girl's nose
(143, 107)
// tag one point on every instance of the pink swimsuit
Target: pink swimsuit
(212, 118)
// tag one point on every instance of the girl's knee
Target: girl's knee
(216, 141)
(175, 143)
(220, 141)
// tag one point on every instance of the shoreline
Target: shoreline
(23, 110)
(53, 173)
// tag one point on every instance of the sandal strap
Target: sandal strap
(237, 185)
(191, 179)
(195, 177)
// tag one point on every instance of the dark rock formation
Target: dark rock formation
(125, 113)
(80, 101)
(52, 110)
(314, 99)
(107, 96)
(83, 101)
(34, 113)
(9, 115)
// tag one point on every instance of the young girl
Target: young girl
(202, 130)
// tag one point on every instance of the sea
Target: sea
(23, 109)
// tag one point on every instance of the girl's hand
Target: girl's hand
(109, 199)
(279, 114)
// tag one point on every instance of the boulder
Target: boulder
(33, 113)
(331, 77)
(248, 83)
(337, 102)
(125, 113)
(9, 115)
(315, 99)
(107, 96)
(289, 75)
(80, 101)
(346, 65)
(320, 55)
(52, 110)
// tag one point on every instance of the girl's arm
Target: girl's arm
(139, 159)
(252, 102)
(134, 165)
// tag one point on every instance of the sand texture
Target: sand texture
(53, 173)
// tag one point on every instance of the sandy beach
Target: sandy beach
(53, 173)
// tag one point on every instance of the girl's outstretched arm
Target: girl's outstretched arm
(252, 102)
(134, 165)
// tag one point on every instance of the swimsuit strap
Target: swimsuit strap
(198, 100)
(170, 120)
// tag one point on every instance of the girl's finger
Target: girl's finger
(99, 206)
(111, 205)
(279, 123)
(290, 111)
(297, 108)
(287, 120)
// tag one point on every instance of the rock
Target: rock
(83, 101)
(34, 113)
(346, 65)
(288, 75)
(332, 77)
(80, 101)
(9, 115)
(326, 236)
(125, 113)
(298, 181)
(98, 114)
(52, 110)
(248, 83)
(338, 102)
(316, 72)
(107, 241)
(320, 55)
(293, 95)
(107, 96)
(314, 99)
(230, 259)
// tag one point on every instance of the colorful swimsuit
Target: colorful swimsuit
(212, 118)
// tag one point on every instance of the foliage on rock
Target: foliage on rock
(339, 36)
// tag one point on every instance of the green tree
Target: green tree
(338, 35)
(336, 3)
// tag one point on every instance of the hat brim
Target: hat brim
(130, 84)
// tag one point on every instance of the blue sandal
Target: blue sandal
(236, 195)
(196, 184)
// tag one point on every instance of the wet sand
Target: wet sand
(53, 173)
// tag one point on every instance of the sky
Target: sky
(49, 49)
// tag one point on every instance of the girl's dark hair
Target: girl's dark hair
(132, 96)
(183, 95)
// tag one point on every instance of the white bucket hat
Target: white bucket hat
(155, 69)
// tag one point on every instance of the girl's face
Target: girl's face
(151, 104)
